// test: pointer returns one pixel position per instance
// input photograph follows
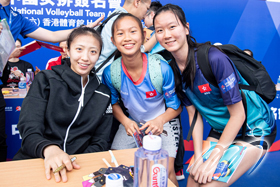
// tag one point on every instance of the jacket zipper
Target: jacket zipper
(81, 104)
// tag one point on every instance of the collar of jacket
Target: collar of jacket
(74, 82)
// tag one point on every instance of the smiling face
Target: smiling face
(84, 52)
(128, 36)
(170, 32)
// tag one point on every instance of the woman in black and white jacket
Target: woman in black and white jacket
(67, 110)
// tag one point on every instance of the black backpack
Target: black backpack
(249, 68)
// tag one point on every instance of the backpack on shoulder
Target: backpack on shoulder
(250, 69)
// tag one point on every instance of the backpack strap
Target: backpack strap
(204, 65)
(155, 71)
(192, 126)
(116, 74)
(99, 30)
(100, 27)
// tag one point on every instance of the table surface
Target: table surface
(31, 172)
(11, 95)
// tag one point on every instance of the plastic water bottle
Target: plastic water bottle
(29, 77)
(278, 83)
(22, 87)
(151, 163)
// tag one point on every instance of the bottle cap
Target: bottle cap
(152, 142)
(114, 179)
(22, 78)
(29, 69)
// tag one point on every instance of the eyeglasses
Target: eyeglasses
(148, 13)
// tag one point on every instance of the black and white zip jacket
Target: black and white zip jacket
(58, 110)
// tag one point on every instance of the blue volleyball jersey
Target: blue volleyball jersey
(211, 102)
(141, 98)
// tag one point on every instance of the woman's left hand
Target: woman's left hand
(155, 126)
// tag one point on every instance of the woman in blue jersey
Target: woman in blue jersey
(140, 96)
(222, 108)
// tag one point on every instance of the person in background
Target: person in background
(249, 52)
(150, 40)
(58, 60)
(15, 69)
(83, 119)
(149, 16)
(222, 107)
(19, 25)
(158, 109)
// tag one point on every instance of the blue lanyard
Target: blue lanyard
(9, 18)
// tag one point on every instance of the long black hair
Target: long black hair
(189, 72)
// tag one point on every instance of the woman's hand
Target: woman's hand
(155, 126)
(96, 23)
(37, 70)
(55, 157)
(206, 171)
(17, 73)
(197, 163)
(130, 127)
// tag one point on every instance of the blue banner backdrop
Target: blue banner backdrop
(252, 24)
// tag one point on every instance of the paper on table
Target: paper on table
(7, 45)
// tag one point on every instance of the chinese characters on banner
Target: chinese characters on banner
(64, 13)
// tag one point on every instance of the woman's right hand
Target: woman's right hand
(55, 157)
(130, 127)
(197, 163)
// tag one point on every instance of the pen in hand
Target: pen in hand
(63, 165)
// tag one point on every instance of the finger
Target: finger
(136, 128)
(48, 171)
(196, 177)
(100, 19)
(156, 131)
(201, 178)
(209, 179)
(145, 126)
(68, 164)
(204, 179)
(75, 165)
(149, 129)
(63, 175)
(129, 132)
(56, 174)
